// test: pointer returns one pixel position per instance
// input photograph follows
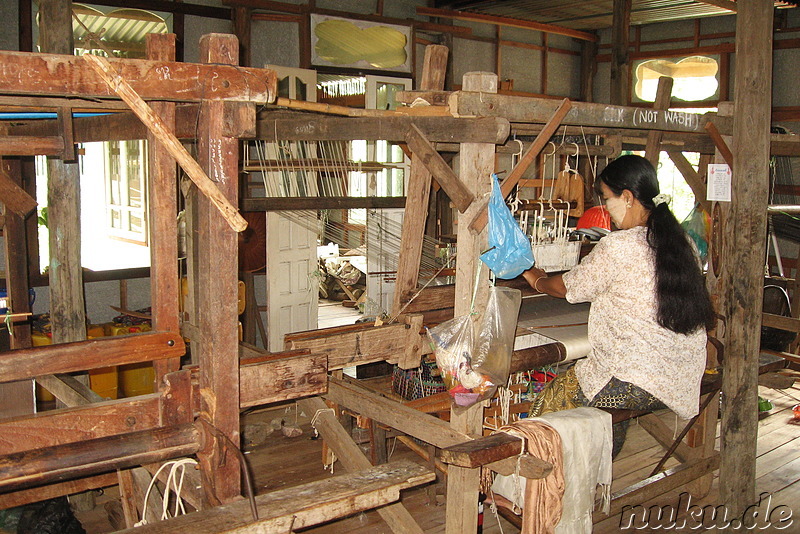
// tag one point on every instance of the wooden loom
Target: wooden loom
(165, 415)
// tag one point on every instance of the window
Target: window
(126, 179)
(695, 78)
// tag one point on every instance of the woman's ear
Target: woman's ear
(628, 197)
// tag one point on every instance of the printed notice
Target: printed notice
(719, 182)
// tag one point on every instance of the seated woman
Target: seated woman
(650, 307)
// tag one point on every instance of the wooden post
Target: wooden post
(652, 149)
(16, 398)
(743, 269)
(588, 70)
(419, 189)
(67, 310)
(241, 28)
(476, 164)
(163, 210)
(620, 58)
(218, 346)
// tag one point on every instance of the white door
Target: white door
(292, 286)
(383, 226)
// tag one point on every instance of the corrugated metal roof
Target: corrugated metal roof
(590, 14)
(122, 29)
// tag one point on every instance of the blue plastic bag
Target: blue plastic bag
(509, 251)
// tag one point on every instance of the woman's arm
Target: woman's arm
(551, 285)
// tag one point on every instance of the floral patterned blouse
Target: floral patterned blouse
(618, 278)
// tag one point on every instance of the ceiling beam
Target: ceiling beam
(506, 21)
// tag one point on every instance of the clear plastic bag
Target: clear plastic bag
(473, 365)
(698, 225)
(509, 249)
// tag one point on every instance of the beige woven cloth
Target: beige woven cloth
(543, 496)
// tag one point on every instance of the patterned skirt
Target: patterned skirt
(564, 393)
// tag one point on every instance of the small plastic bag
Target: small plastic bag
(473, 365)
(509, 249)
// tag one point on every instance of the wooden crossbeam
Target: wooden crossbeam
(25, 73)
(51, 491)
(162, 133)
(90, 354)
(282, 379)
(482, 451)
(437, 129)
(14, 197)
(438, 167)
(29, 145)
(290, 126)
(303, 506)
(506, 21)
(538, 110)
(480, 221)
(354, 344)
(58, 427)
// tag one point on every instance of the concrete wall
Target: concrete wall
(9, 38)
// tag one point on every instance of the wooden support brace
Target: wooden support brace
(649, 488)
(326, 423)
(663, 95)
(68, 389)
(720, 143)
(479, 223)
(436, 165)
(154, 123)
(14, 197)
(692, 177)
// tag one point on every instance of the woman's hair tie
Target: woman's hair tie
(661, 198)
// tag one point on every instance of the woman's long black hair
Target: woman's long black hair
(684, 305)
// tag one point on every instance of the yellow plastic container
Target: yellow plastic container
(137, 379)
(40, 340)
(103, 381)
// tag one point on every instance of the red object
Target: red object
(796, 412)
(597, 216)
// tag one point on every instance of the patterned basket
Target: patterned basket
(417, 383)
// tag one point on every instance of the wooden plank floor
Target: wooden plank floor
(284, 462)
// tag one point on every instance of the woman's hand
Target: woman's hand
(532, 275)
(551, 285)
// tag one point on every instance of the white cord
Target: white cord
(174, 483)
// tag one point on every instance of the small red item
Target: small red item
(597, 216)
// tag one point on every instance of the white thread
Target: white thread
(171, 485)
(316, 416)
